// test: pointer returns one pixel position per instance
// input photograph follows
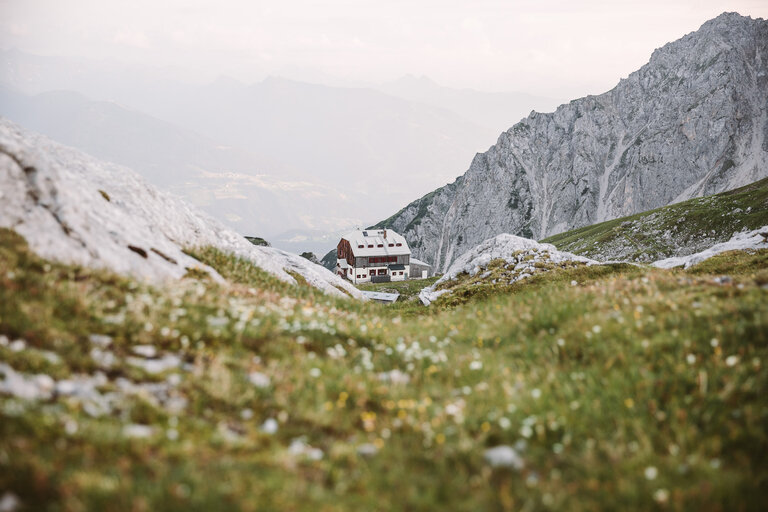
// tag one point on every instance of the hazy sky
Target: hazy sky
(562, 48)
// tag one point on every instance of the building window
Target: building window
(360, 246)
(391, 245)
(370, 246)
(399, 245)
(382, 272)
(358, 276)
(380, 245)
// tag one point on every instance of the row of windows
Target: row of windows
(382, 259)
(381, 273)
(370, 246)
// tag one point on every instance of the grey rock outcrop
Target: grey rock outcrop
(73, 208)
(691, 122)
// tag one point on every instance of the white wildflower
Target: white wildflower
(394, 376)
(299, 447)
(269, 426)
(367, 450)
(259, 379)
(17, 345)
(145, 350)
(661, 496)
(138, 431)
(101, 340)
(503, 456)
(9, 502)
(70, 427)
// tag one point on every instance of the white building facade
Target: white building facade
(373, 255)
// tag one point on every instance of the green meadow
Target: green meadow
(611, 387)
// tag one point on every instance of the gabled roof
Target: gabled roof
(414, 261)
(375, 237)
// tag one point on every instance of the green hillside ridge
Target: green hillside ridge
(635, 388)
(676, 230)
(497, 279)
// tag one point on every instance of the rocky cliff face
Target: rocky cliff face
(691, 122)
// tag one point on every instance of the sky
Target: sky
(558, 48)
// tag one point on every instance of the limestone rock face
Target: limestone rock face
(73, 208)
(691, 122)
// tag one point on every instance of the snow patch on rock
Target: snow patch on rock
(755, 239)
(73, 208)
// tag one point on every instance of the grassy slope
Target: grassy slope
(626, 376)
(692, 225)
(466, 288)
(407, 289)
(408, 304)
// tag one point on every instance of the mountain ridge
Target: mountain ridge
(698, 107)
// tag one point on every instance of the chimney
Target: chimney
(385, 234)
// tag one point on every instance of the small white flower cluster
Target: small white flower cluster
(300, 448)
(504, 456)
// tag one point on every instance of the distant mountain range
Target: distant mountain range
(280, 158)
(223, 180)
(691, 122)
(492, 111)
(73, 208)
